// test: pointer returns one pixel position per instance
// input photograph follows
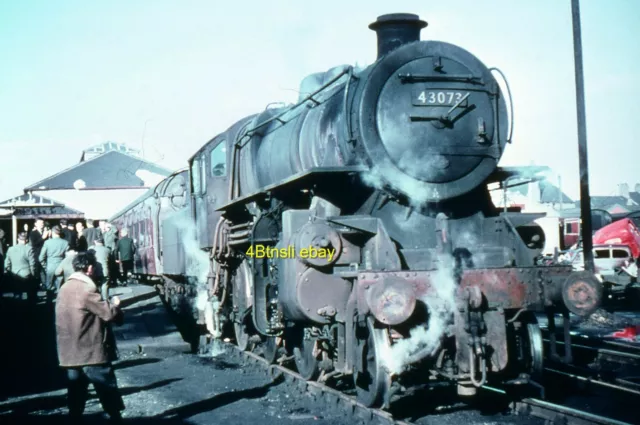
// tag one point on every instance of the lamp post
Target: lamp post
(585, 198)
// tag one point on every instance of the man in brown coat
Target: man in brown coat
(82, 318)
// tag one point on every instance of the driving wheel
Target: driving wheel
(270, 348)
(304, 354)
(531, 346)
(241, 320)
(371, 380)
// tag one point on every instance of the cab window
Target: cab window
(219, 160)
(602, 253)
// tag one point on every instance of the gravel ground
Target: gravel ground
(171, 386)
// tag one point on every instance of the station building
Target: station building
(108, 177)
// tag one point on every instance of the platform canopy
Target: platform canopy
(30, 206)
(114, 169)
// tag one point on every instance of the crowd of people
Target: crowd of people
(76, 266)
(42, 257)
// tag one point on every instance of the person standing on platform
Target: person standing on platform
(65, 269)
(102, 253)
(20, 268)
(125, 251)
(91, 233)
(110, 239)
(68, 233)
(37, 236)
(52, 254)
(85, 349)
(81, 243)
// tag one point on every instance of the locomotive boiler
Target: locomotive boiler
(354, 230)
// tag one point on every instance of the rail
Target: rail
(337, 399)
(578, 372)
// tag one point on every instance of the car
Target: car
(607, 258)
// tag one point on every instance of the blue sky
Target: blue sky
(77, 73)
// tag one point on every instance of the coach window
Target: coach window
(219, 160)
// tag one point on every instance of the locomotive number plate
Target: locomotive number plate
(438, 98)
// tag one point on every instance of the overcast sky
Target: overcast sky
(77, 73)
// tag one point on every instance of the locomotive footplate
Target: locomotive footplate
(478, 308)
(533, 288)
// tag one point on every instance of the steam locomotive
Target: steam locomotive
(354, 230)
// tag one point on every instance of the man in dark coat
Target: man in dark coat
(52, 254)
(91, 233)
(2, 243)
(20, 269)
(125, 251)
(68, 233)
(83, 318)
(37, 236)
(81, 241)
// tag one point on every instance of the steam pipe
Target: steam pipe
(240, 226)
(215, 238)
(241, 234)
(238, 242)
(585, 198)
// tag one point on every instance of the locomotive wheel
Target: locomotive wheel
(242, 334)
(241, 324)
(270, 348)
(531, 346)
(304, 356)
(373, 382)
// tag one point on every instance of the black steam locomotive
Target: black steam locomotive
(355, 229)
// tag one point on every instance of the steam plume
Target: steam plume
(427, 338)
(197, 261)
(386, 174)
(197, 266)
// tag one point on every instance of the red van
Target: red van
(621, 232)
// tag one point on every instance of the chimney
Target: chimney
(395, 30)
(623, 190)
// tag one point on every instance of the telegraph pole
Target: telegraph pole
(585, 197)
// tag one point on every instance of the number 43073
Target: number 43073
(439, 97)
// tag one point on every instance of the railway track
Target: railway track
(601, 363)
(335, 399)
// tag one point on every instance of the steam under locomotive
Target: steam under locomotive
(382, 172)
